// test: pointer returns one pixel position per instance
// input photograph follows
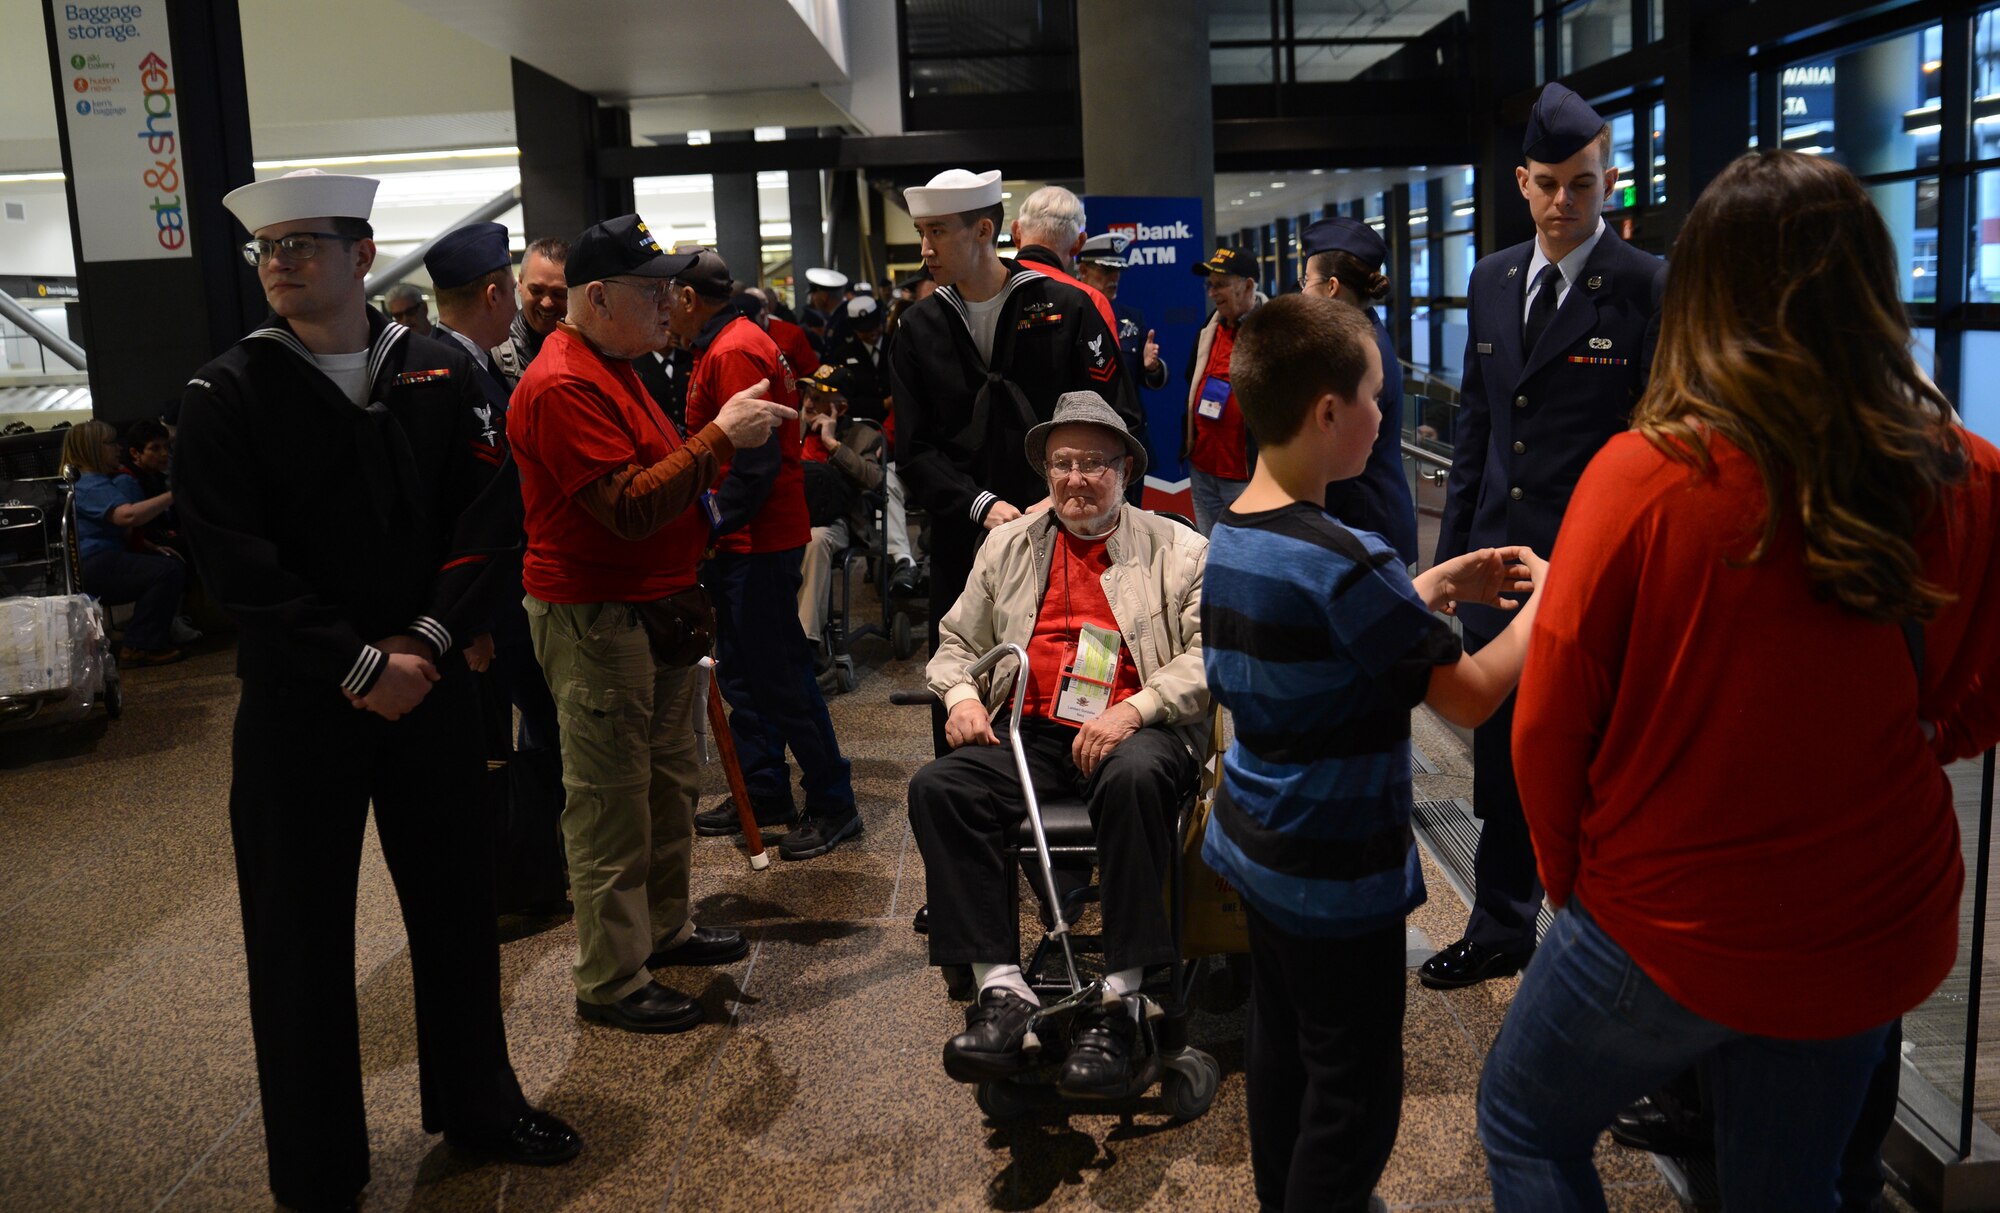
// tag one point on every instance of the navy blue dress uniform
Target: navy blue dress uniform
(1379, 498)
(866, 366)
(1532, 415)
(321, 525)
(961, 420)
(529, 869)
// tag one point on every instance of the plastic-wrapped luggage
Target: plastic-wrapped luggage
(52, 653)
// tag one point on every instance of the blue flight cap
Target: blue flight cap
(466, 253)
(1559, 125)
(1339, 234)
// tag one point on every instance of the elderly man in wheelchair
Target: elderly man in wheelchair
(1105, 599)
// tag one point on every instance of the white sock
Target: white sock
(1125, 982)
(1006, 977)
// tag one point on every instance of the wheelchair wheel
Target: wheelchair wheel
(843, 677)
(1188, 1096)
(902, 636)
(1003, 1100)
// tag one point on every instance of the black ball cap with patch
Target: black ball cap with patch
(620, 247)
(1559, 126)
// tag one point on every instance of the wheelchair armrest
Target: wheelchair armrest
(909, 699)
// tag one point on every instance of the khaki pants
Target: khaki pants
(630, 771)
(816, 573)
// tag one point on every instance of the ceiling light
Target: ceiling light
(1277, 185)
(464, 153)
(12, 178)
(1256, 193)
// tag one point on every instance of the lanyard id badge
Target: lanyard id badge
(1214, 394)
(1086, 682)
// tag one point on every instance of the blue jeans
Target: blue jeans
(1212, 495)
(764, 669)
(1589, 1033)
(151, 582)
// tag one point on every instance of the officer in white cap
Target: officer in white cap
(976, 366)
(826, 293)
(349, 505)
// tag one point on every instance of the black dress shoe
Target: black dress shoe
(1102, 1061)
(1466, 963)
(921, 924)
(722, 820)
(650, 1008)
(818, 834)
(990, 1046)
(535, 1139)
(1646, 1126)
(707, 946)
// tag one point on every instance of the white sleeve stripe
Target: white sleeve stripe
(980, 503)
(365, 665)
(434, 632)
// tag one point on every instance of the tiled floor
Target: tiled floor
(125, 1067)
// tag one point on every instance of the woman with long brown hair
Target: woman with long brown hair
(1772, 617)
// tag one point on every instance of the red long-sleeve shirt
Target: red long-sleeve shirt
(1728, 772)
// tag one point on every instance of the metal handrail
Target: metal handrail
(63, 348)
(1426, 455)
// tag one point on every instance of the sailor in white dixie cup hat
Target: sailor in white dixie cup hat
(346, 508)
(978, 364)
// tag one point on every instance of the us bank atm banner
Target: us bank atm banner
(121, 109)
(1159, 281)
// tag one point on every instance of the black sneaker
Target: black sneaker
(990, 1046)
(722, 820)
(818, 834)
(1102, 1060)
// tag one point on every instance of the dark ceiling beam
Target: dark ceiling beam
(1359, 141)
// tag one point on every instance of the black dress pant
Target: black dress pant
(965, 806)
(1507, 888)
(306, 766)
(1323, 1062)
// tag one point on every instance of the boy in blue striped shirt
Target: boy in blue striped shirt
(1320, 644)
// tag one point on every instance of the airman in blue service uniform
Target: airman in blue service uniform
(1561, 339)
(1341, 258)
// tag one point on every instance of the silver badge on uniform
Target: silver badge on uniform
(1485, 347)
(1600, 343)
(1513, 270)
(1594, 282)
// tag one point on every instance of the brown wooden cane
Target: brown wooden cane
(746, 816)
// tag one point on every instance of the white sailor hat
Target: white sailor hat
(864, 288)
(1106, 249)
(953, 192)
(832, 280)
(305, 193)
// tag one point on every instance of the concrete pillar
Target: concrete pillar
(1503, 57)
(737, 236)
(844, 221)
(144, 349)
(559, 130)
(1148, 119)
(802, 186)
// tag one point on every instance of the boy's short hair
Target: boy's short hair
(138, 433)
(1288, 354)
(997, 213)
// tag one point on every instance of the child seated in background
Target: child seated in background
(1320, 645)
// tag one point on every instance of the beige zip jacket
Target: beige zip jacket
(1153, 585)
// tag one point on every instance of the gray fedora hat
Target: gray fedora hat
(1085, 408)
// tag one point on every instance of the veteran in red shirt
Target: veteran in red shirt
(615, 536)
(763, 661)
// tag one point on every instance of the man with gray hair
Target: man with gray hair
(1105, 600)
(407, 306)
(1048, 234)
